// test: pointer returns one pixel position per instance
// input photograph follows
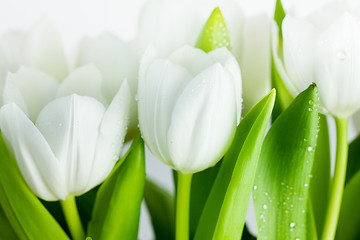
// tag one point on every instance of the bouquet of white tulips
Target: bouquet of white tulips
(195, 91)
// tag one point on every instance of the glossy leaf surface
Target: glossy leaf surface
(161, 209)
(281, 189)
(20, 205)
(117, 205)
(226, 206)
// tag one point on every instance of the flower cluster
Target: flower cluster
(195, 89)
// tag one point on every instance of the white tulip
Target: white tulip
(39, 48)
(63, 137)
(323, 48)
(117, 60)
(189, 106)
(168, 25)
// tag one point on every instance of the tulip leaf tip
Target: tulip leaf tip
(215, 33)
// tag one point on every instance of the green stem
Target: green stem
(182, 206)
(337, 186)
(72, 218)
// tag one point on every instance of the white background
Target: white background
(75, 18)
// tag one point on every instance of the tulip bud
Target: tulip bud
(189, 106)
(323, 48)
(215, 34)
(63, 138)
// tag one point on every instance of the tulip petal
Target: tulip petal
(116, 60)
(203, 121)
(112, 132)
(170, 24)
(255, 56)
(322, 17)
(193, 59)
(158, 92)
(70, 125)
(226, 59)
(36, 161)
(337, 71)
(278, 62)
(12, 45)
(298, 47)
(18, 88)
(84, 81)
(4, 68)
(43, 49)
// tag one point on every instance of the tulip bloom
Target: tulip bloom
(189, 106)
(64, 139)
(323, 48)
(117, 61)
(18, 48)
(249, 36)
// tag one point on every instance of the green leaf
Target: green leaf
(24, 211)
(161, 209)
(283, 97)
(117, 205)
(201, 185)
(319, 188)
(85, 204)
(279, 16)
(349, 219)
(353, 165)
(214, 34)
(283, 175)
(310, 222)
(6, 230)
(238, 168)
(57, 212)
(247, 235)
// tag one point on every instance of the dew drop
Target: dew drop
(292, 225)
(60, 124)
(341, 55)
(265, 206)
(306, 185)
(309, 149)
(311, 102)
(297, 239)
(266, 193)
(255, 187)
(310, 109)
